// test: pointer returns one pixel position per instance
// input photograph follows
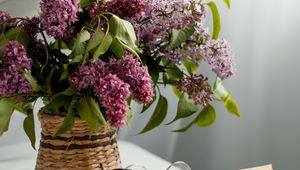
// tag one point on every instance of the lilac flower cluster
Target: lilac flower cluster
(188, 51)
(124, 9)
(197, 88)
(218, 54)
(113, 82)
(30, 26)
(139, 79)
(37, 52)
(88, 75)
(5, 16)
(12, 80)
(113, 94)
(57, 17)
(154, 25)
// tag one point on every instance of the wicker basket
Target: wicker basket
(76, 149)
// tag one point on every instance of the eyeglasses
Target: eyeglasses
(179, 165)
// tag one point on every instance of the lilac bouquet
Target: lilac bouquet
(92, 59)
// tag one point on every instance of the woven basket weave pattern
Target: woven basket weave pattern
(76, 149)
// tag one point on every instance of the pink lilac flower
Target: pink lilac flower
(129, 70)
(12, 80)
(218, 54)
(5, 16)
(197, 88)
(88, 75)
(57, 17)
(113, 93)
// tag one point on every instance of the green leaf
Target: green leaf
(23, 107)
(90, 113)
(65, 74)
(69, 91)
(28, 125)
(191, 67)
(117, 48)
(80, 42)
(227, 2)
(94, 106)
(158, 115)
(180, 36)
(6, 110)
(96, 39)
(206, 118)
(232, 107)
(104, 45)
(85, 3)
(177, 92)
(153, 68)
(123, 31)
(68, 122)
(222, 95)
(219, 90)
(18, 34)
(32, 81)
(216, 19)
(62, 99)
(174, 73)
(49, 80)
(128, 117)
(84, 35)
(59, 100)
(3, 41)
(185, 108)
(77, 59)
(131, 50)
(79, 49)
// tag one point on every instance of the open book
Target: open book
(265, 167)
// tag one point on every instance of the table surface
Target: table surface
(23, 157)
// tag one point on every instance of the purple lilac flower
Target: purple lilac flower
(218, 54)
(129, 69)
(12, 80)
(57, 17)
(122, 8)
(112, 83)
(88, 75)
(154, 25)
(197, 89)
(16, 56)
(31, 26)
(188, 51)
(113, 93)
(37, 51)
(5, 16)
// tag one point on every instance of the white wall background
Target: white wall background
(265, 37)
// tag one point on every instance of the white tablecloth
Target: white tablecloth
(23, 157)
